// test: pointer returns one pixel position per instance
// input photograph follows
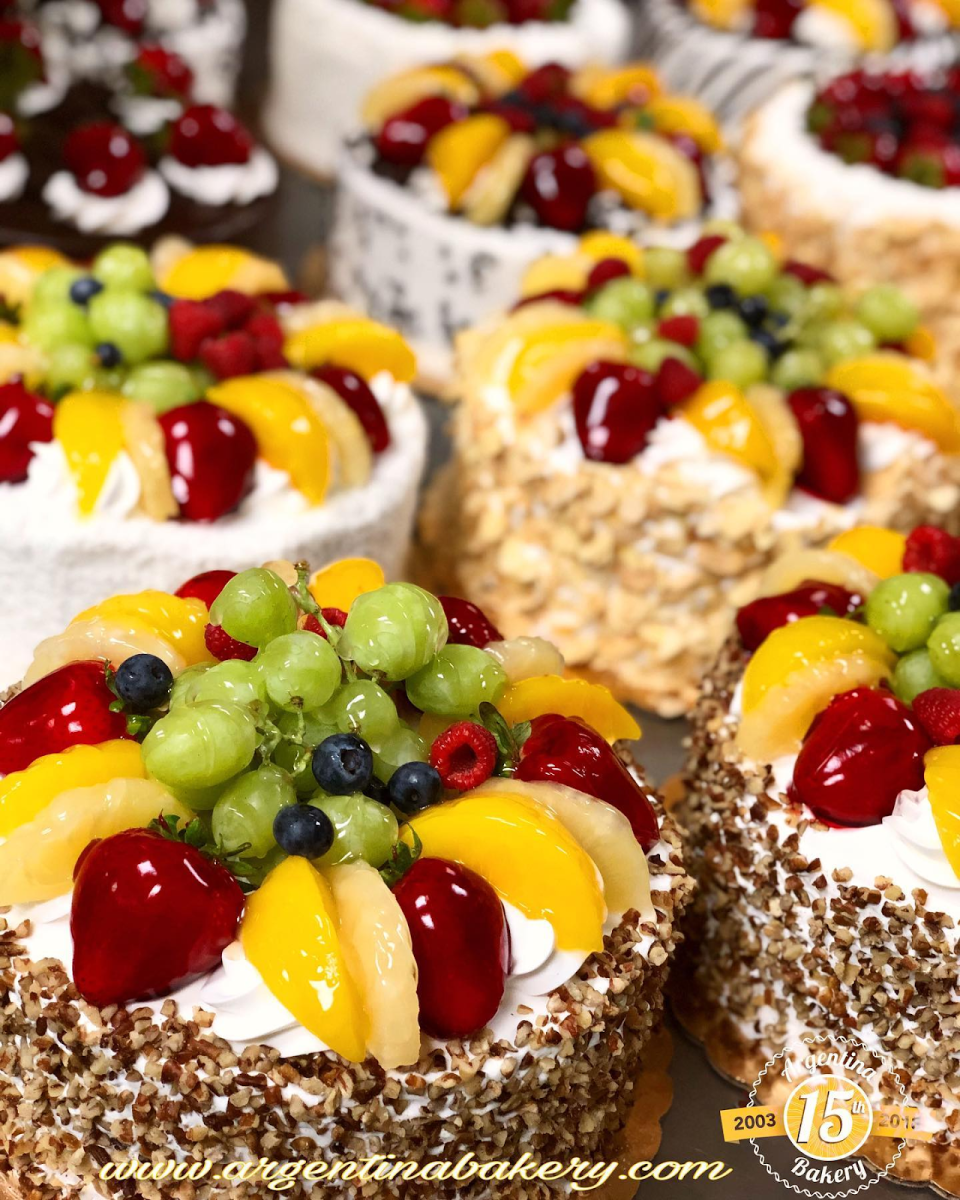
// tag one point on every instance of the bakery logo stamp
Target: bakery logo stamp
(826, 1100)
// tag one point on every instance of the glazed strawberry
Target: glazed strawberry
(148, 914)
(104, 159)
(699, 253)
(465, 755)
(683, 329)
(355, 392)
(605, 270)
(829, 427)
(461, 945)
(157, 71)
(207, 136)
(862, 751)
(229, 356)
(933, 550)
(615, 406)
(206, 586)
(128, 15)
(468, 625)
(68, 707)
(675, 382)
(938, 711)
(807, 275)
(192, 322)
(405, 136)
(222, 646)
(775, 18)
(756, 621)
(25, 417)
(559, 185)
(565, 750)
(211, 455)
(9, 142)
(545, 83)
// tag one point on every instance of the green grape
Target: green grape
(824, 301)
(651, 354)
(394, 630)
(53, 286)
(182, 690)
(165, 385)
(124, 266)
(742, 363)
(944, 647)
(888, 313)
(746, 264)
(915, 673)
(625, 301)
(787, 294)
(255, 607)
(796, 369)
(132, 322)
(50, 325)
(685, 302)
(296, 758)
(402, 746)
(641, 334)
(198, 746)
(845, 339)
(234, 680)
(246, 810)
(365, 708)
(109, 379)
(905, 608)
(301, 670)
(719, 329)
(664, 268)
(362, 829)
(457, 681)
(70, 367)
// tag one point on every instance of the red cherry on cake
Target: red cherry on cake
(606, 270)
(160, 72)
(206, 586)
(559, 185)
(699, 253)
(9, 142)
(468, 625)
(828, 427)
(545, 83)
(775, 18)
(206, 136)
(461, 945)
(756, 621)
(211, 455)
(566, 750)
(25, 417)
(615, 407)
(355, 392)
(862, 751)
(148, 914)
(128, 15)
(404, 136)
(68, 707)
(104, 159)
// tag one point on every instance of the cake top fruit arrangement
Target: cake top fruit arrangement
(501, 144)
(110, 141)
(854, 671)
(185, 375)
(876, 26)
(771, 361)
(359, 787)
(902, 124)
(477, 14)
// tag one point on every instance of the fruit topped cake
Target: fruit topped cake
(327, 54)
(330, 870)
(648, 428)
(108, 129)
(862, 174)
(735, 53)
(822, 805)
(472, 169)
(143, 402)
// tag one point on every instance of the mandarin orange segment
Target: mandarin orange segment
(731, 425)
(647, 172)
(556, 273)
(549, 359)
(598, 245)
(942, 777)
(872, 22)
(683, 114)
(591, 702)
(888, 387)
(921, 344)
(879, 550)
(180, 622)
(202, 271)
(339, 583)
(89, 427)
(356, 343)
(609, 87)
(460, 150)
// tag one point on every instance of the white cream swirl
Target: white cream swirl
(13, 176)
(229, 183)
(917, 841)
(145, 204)
(144, 115)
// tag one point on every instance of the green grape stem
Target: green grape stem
(307, 604)
(271, 736)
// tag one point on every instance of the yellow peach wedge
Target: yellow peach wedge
(942, 776)
(792, 569)
(89, 428)
(398, 92)
(878, 550)
(731, 425)
(462, 149)
(648, 173)
(609, 87)
(202, 271)
(339, 583)
(356, 343)
(887, 387)
(180, 622)
(591, 702)
(114, 641)
(873, 23)
(683, 114)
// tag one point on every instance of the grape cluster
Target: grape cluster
(326, 722)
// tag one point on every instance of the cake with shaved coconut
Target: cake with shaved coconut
(314, 868)
(649, 428)
(158, 418)
(820, 799)
(470, 169)
(734, 55)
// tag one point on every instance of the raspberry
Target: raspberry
(332, 616)
(605, 270)
(231, 355)
(267, 336)
(191, 324)
(684, 330)
(675, 381)
(935, 551)
(464, 756)
(222, 646)
(938, 711)
(234, 308)
(700, 251)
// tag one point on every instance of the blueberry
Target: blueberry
(109, 354)
(661, 296)
(143, 682)
(304, 830)
(414, 787)
(343, 764)
(779, 319)
(763, 337)
(162, 298)
(376, 790)
(84, 290)
(753, 310)
(953, 602)
(721, 295)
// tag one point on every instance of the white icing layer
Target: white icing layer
(229, 183)
(145, 204)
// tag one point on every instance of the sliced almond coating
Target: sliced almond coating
(143, 439)
(489, 197)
